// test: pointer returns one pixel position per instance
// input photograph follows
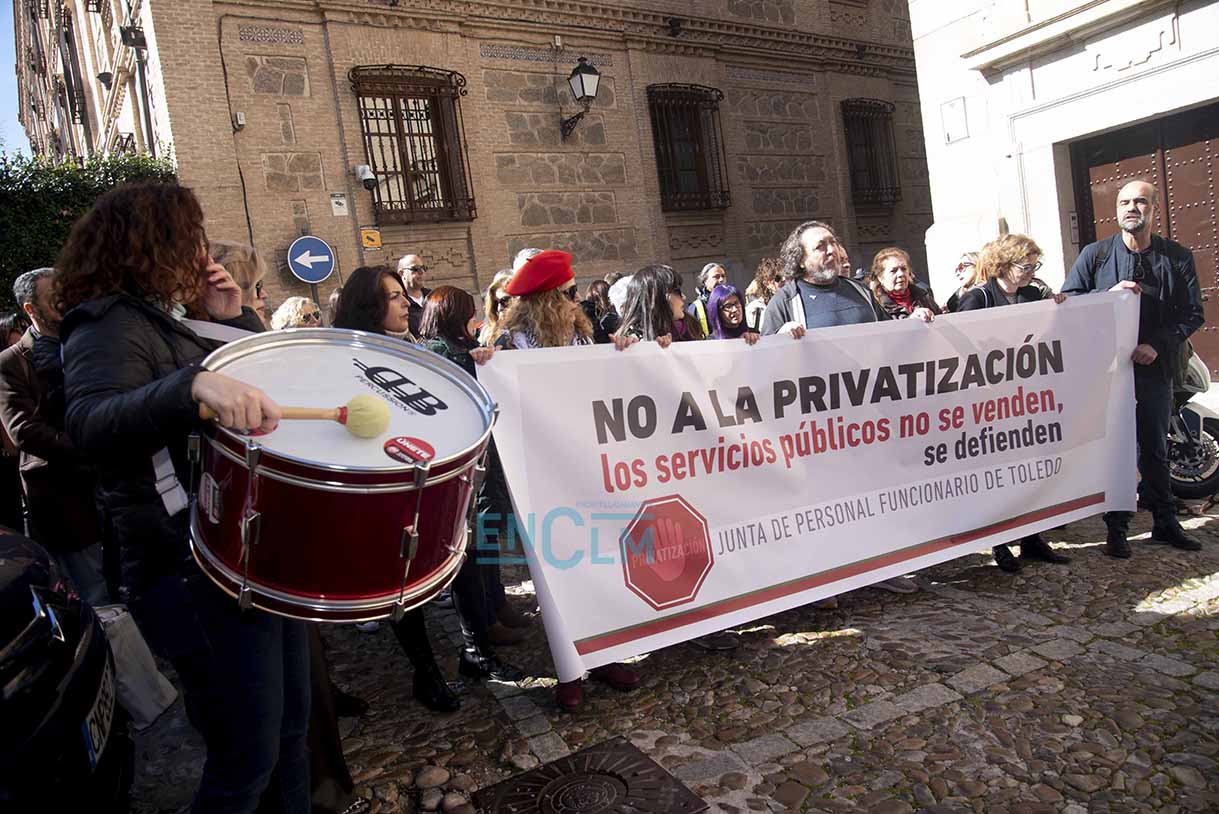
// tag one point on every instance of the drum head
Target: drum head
(437, 410)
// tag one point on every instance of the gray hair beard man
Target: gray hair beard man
(413, 272)
(1162, 273)
(58, 485)
(815, 296)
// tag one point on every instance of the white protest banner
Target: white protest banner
(667, 493)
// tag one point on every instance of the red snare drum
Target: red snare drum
(332, 527)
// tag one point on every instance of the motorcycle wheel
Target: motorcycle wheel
(1194, 469)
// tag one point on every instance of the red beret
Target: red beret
(542, 272)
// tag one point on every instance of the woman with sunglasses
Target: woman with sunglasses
(296, 312)
(546, 314)
(487, 620)
(1007, 266)
(655, 310)
(966, 274)
(247, 269)
(495, 305)
(896, 292)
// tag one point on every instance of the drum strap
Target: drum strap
(215, 331)
(168, 486)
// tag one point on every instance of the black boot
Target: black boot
(1175, 536)
(1035, 548)
(1004, 559)
(431, 689)
(347, 705)
(1116, 544)
(482, 663)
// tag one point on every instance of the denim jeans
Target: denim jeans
(245, 681)
(1152, 413)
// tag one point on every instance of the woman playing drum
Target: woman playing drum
(132, 267)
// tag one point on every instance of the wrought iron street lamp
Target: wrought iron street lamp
(584, 80)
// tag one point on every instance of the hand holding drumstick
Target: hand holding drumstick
(365, 416)
(235, 404)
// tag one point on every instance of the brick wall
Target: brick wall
(783, 65)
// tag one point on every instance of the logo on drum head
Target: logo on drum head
(409, 450)
(401, 389)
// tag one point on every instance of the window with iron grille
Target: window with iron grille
(689, 147)
(410, 118)
(871, 151)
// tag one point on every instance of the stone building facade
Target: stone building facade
(262, 110)
(1039, 111)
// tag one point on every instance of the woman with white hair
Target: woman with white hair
(296, 312)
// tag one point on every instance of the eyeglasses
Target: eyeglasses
(963, 266)
(1027, 268)
(571, 293)
(312, 316)
(415, 269)
(503, 302)
(730, 306)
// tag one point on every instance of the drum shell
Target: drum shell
(329, 541)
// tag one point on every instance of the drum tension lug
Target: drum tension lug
(410, 543)
(399, 611)
(192, 447)
(245, 598)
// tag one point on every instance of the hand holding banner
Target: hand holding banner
(668, 493)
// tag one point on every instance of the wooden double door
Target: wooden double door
(1179, 153)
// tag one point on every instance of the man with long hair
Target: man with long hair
(815, 295)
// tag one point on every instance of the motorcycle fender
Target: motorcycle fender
(1194, 414)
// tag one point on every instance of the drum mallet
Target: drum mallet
(364, 416)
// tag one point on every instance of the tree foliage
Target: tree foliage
(41, 199)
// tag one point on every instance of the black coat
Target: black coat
(493, 496)
(1179, 298)
(128, 371)
(990, 295)
(57, 483)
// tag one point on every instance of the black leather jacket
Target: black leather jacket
(128, 371)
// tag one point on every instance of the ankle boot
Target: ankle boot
(1035, 548)
(1116, 544)
(431, 689)
(482, 663)
(1004, 559)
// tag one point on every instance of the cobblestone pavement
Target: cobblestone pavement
(1092, 687)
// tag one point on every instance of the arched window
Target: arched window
(410, 118)
(871, 151)
(689, 146)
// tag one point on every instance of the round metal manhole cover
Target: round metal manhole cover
(582, 793)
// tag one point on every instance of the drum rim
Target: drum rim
(379, 488)
(246, 345)
(416, 595)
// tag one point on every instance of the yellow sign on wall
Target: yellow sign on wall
(370, 238)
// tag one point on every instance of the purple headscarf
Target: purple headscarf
(718, 330)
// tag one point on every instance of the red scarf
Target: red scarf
(904, 299)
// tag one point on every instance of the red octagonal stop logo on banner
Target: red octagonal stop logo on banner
(666, 552)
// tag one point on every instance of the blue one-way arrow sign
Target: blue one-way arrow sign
(310, 259)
